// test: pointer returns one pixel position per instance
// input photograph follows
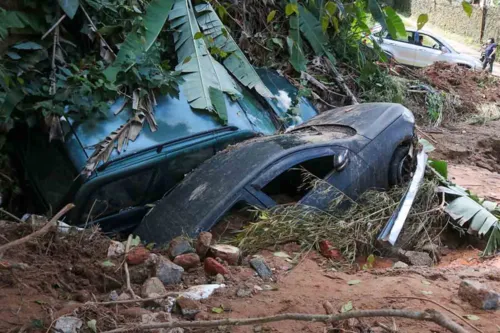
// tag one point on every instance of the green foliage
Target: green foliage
(422, 20)
(467, 8)
(69, 6)
(294, 40)
(395, 22)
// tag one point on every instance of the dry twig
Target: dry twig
(138, 300)
(3, 211)
(427, 315)
(39, 232)
(125, 267)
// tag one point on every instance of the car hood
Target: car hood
(365, 119)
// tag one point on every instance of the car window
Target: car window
(408, 38)
(429, 41)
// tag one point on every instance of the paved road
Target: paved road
(454, 40)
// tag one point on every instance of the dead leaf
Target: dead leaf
(217, 310)
(92, 324)
(281, 254)
(472, 317)
(425, 282)
(346, 307)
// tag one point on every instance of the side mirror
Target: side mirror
(341, 160)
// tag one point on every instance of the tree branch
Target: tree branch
(39, 232)
(427, 315)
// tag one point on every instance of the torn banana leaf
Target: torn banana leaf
(200, 70)
(312, 31)
(135, 45)
(294, 41)
(236, 62)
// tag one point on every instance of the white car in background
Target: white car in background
(405, 49)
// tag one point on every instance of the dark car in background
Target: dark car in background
(372, 140)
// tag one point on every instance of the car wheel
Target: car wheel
(401, 167)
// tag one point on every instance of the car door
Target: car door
(429, 52)
(402, 48)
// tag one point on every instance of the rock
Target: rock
(479, 295)
(261, 268)
(415, 258)
(242, 292)
(399, 264)
(137, 255)
(188, 307)
(213, 267)
(178, 246)
(219, 279)
(228, 253)
(140, 273)
(113, 296)
(168, 272)
(188, 260)
(257, 288)
(202, 291)
(124, 296)
(203, 243)
(152, 286)
(134, 312)
(116, 249)
(68, 324)
(329, 251)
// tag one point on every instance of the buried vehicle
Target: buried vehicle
(349, 150)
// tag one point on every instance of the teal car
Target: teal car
(119, 193)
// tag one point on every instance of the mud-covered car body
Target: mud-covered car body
(351, 148)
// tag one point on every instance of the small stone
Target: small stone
(124, 297)
(176, 330)
(329, 251)
(399, 264)
(479, 295)
(257, 329)
(203, 243)
(68, 324)
(267, 287)
(178, 246)
(202, 291)
(219, 279)
(113, 296)
(261, 267)
(188, 307)
(137, 255)
(139, 273)
(213, 267)
(188, 260)
(168, 272)
(116, 249)
(258, 288)
(152, 286)
(228, 253)
(134, 312)
(242, 292)
(415, 258)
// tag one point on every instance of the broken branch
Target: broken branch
(139, 300)
(54, 26)
(427, 315)
(340, 81)
(39, 232)
(125, 267)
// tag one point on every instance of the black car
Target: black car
(353, 148)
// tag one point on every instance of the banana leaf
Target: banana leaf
(236, 62)
(311, 29)
(379, 16)
(294, 41)
(200, 70)
(136, 45)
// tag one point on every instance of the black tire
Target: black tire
(400, 169)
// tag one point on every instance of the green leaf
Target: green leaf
(422, 20)
(277, 41)
(270, 16)
(325, 23)
(37, 323)
(440, 166)
(236, 62)
(133, 46)
(378, 15)
(203, 71)
(69, 6)
(331, 7)
(198, 35)
(427, 146)
(313, 32)
(27, 46)
(472, 317)
(136, 240)
(10, 102)
(370, 260)
(353, 282)
(217, 310)
(467, 8)
(219, 104)
(13, 55)
(346, 307)
(107, 263)
(92, 325)
(396, 21)
(291, 8)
